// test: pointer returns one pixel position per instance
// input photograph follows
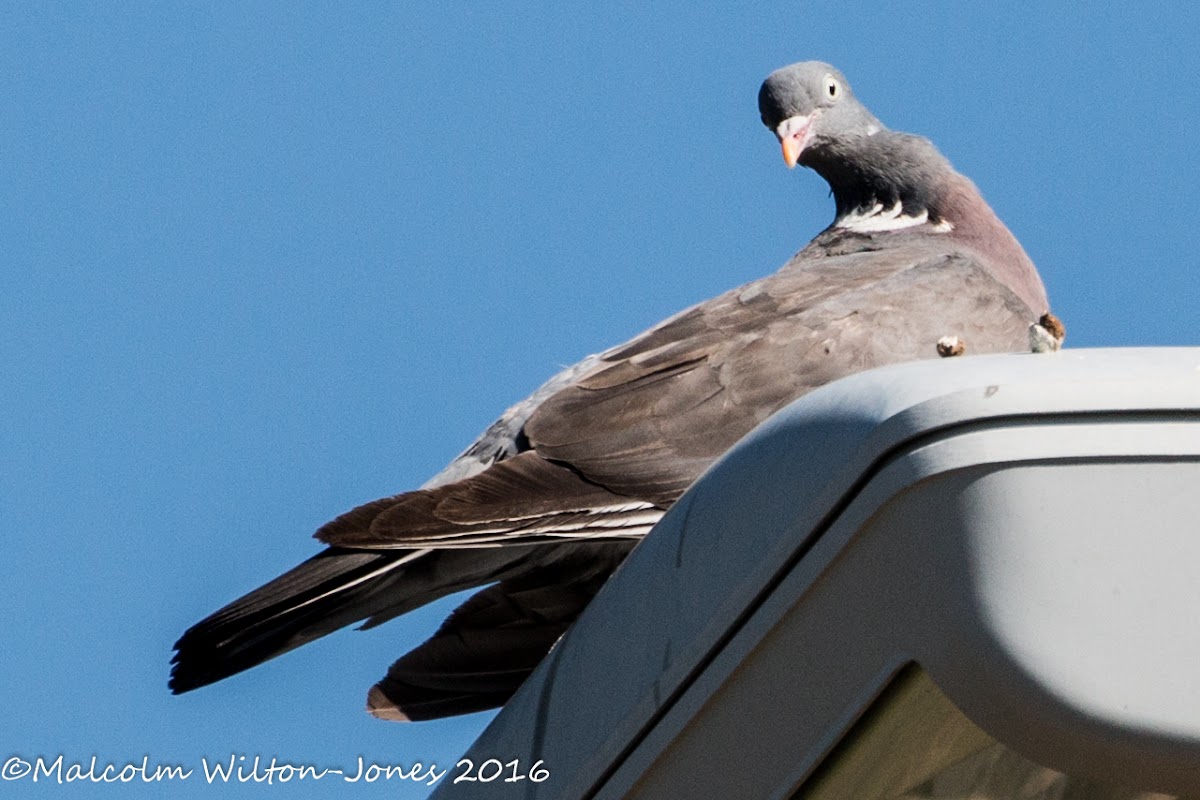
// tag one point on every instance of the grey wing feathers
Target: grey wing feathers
(654, 413)
(523, 499)
(505, 437)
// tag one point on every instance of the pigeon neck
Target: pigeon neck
(893, 181)
(883, 182)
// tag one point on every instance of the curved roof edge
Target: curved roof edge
(1020, 526)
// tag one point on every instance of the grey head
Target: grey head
(881, 179)
(810, 106)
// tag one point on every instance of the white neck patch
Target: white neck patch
(877, 218)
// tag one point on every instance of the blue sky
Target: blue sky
(264, 262)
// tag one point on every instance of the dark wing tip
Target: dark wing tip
(332, 589)
(215, 648)
(187, 669)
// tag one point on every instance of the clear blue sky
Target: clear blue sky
(262, 265)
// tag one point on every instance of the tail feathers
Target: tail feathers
(484, 651)
(333, 589)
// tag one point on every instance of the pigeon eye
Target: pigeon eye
(833, 89)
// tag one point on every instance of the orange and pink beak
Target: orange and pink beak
(794, 135)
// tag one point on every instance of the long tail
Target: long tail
(335, 588)
(546, 531)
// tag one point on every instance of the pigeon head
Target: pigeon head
(808, 106)
(884, 182)
(881, 180)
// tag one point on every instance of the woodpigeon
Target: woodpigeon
(548, 501)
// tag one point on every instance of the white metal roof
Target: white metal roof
(1025, 529)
